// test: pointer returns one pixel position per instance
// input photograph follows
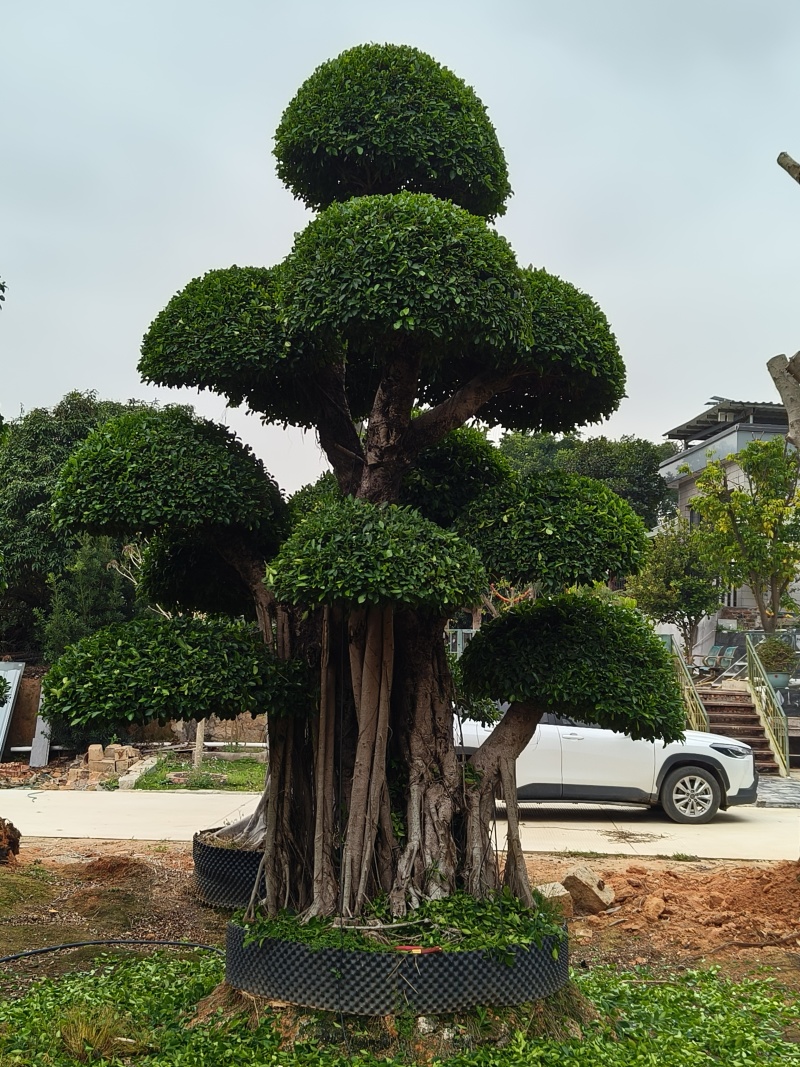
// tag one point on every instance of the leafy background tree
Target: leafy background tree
(37, 557)
(751, 523)
(628, 466)
(398, 318)
(677, 584)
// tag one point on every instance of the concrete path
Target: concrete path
(139, 815)
(745, 833)
(742, 833)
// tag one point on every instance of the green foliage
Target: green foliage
(384, 118)
(472, 708)
(156, 669)
(534, 453)
(242, 775)
(5, 688)
(323, 491)
(408, 268)
(353, 552)
(629, 467)
(697, 1018)
(676, 584)
(152, 469)
(33, 449)
(776, 655)
(449, 476)
(557, 530)
(458, 923)
(571, 374)
(86, 596)
(181, 572)
(751, 524)
(225, 332)
(575, 653)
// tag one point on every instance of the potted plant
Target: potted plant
(778, 660)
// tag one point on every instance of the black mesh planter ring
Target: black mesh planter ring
(385, 983)
(224, 877)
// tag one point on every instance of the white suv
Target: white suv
(571, 760)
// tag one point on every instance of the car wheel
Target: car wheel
(690, 794)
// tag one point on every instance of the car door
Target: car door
(539, 764)
(599, 764)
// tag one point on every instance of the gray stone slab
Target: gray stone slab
(13, 672)
(40, 749)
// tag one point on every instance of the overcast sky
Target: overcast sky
(641, 138)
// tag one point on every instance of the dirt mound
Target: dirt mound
(116, 869)
(704, 909)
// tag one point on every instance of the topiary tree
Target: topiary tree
(575, 653)
(193, 483)
(154, 669)
(398, 317)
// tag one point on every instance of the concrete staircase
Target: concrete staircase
(731, 712)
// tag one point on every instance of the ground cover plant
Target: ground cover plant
(494, 925)
(242, 775)
(388, 355)
(143, 1011)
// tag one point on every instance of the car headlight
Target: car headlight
(734, 751)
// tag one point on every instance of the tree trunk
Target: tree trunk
(371, 659)
(422, 725)
(791, 167)
(786, 375)
(492, 766)
(325, 883)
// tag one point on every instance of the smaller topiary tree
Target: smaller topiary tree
(554, 529)
(154, 669)
(214, 513)
(573, 653)
(363, 563)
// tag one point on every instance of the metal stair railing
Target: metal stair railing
(768, 709)
(696, 714)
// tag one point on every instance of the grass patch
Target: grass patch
(243, 776)
(20, 887)
(150, 1007)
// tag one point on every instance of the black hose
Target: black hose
(108, 941)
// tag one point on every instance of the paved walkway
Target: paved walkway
(742, 833)
(775, 792)
(745, 833)
(141, 815)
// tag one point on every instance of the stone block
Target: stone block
(557, 894)
(95, 753)
(114, 752)
(121, 765)
(589, 893)
(101, 766)
(652, 908)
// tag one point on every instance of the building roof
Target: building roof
(722, 411)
